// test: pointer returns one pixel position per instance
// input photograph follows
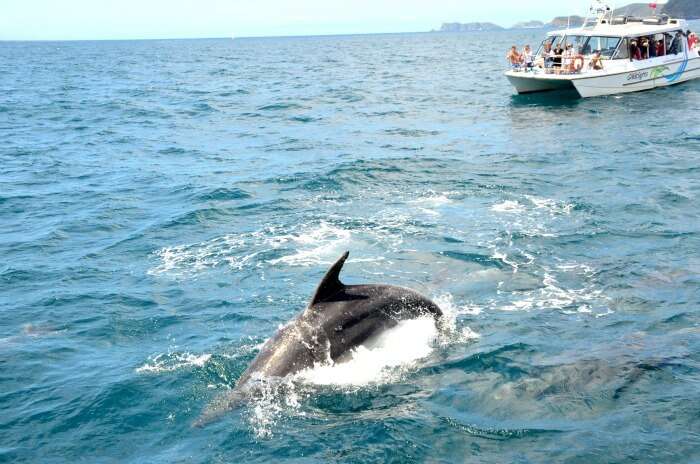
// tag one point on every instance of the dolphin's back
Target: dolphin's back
(360, 312)
(285, 353)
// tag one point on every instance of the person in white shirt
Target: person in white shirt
(569, 56)
(527, 58)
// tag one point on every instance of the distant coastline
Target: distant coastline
(556, 23)
(688, 9)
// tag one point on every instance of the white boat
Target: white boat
(671, 61)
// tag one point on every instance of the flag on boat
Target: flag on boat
(653, 6)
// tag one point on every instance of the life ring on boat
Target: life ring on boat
(578, 63)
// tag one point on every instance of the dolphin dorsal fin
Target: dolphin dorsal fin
(331, 284)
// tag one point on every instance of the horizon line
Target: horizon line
(288, 36)
(248, 36)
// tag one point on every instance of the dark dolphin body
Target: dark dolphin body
(339, 318)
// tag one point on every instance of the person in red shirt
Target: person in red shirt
(635, 52)
(692, 39)
(660, 49)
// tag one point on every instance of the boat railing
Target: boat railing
(599, 13)
(567, 68)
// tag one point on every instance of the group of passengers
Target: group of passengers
(558, 59)
(562, 58)
(647, 47)
(524, 60)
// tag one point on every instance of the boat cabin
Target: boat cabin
(624, 38)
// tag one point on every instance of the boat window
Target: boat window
(556, 40)
(623, 51)
(606, 45)
(676, 43)
(578, 42)
(552, 40)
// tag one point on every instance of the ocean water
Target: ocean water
(166, 205)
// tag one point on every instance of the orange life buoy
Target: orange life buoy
(578, 63)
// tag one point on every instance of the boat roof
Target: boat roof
(624, 30)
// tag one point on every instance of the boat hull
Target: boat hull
(525, 84)
(663, 74)
(660, 72)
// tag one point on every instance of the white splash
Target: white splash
(311, 244)
(552, 295)
(450, 332)
(503, 257)
(273, 402)
(508, 206)
(431, 201)
(550, 205)
(183, 260)
(316, 245)
(169, 362)
(379, 360)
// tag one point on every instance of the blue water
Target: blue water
(166, 205)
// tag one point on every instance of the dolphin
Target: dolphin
(338, 319)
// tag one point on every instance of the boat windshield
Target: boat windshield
(606, 45)
(583, 44)
(578, 42)
(552, 40)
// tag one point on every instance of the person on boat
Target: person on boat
(635, 53)
(513, 57)
(692, 39)
(651, 47)
(676, 46)
(527, 58)
(548, 56)
(596, 62)
(660, 48)
(644, 47)
(557, 59)
(569, 56)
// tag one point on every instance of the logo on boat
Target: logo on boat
(659, 71)
(675, 76)
(637, 76)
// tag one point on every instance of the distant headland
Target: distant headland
(688, 9)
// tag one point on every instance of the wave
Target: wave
(223, 194)
(508, 206)
(585, 298)
(321, 245)
(281, 107)
(307, 244)
(172, 361)
(494, 433)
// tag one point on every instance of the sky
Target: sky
(150, 19)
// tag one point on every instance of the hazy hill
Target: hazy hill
(637, 9)
(469, 27)
(688, 9)
(563, 21)
(529, 25)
